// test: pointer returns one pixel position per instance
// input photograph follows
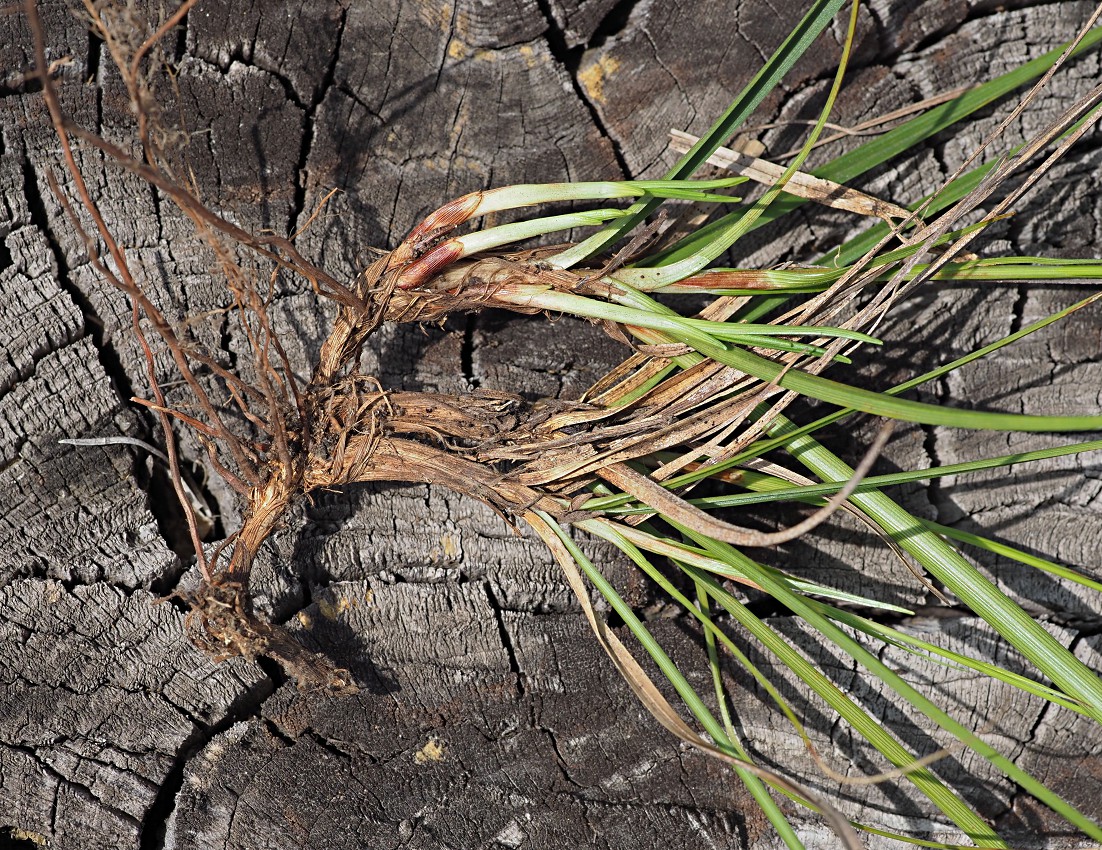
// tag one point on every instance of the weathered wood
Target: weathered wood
(489, 716)
(103, 695)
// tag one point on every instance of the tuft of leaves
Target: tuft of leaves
(701, 398)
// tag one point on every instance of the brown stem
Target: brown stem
(396, 459)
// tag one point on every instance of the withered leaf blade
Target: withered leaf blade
(801, 184)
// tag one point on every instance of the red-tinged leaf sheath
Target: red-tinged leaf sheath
(737, 279)
(447, 217)
(420, 271)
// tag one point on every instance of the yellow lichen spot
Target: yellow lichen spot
(306, 620)
(484, 55)
(17, 835)
(440, 15)
(593, 77)
(528, 55)
(458, 20)
(432, 751)
(457, 49)
(332, 610)
(450, 544)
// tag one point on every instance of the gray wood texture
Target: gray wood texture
(489, 716)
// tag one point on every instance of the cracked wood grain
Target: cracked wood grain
(527, 759)
(115, 732)
(104, 694)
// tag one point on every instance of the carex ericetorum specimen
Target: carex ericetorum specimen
(699, 398)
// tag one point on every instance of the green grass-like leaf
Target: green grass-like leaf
(737, 344)
(880, 149)
(794, 46)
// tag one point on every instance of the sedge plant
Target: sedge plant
(701, 405)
